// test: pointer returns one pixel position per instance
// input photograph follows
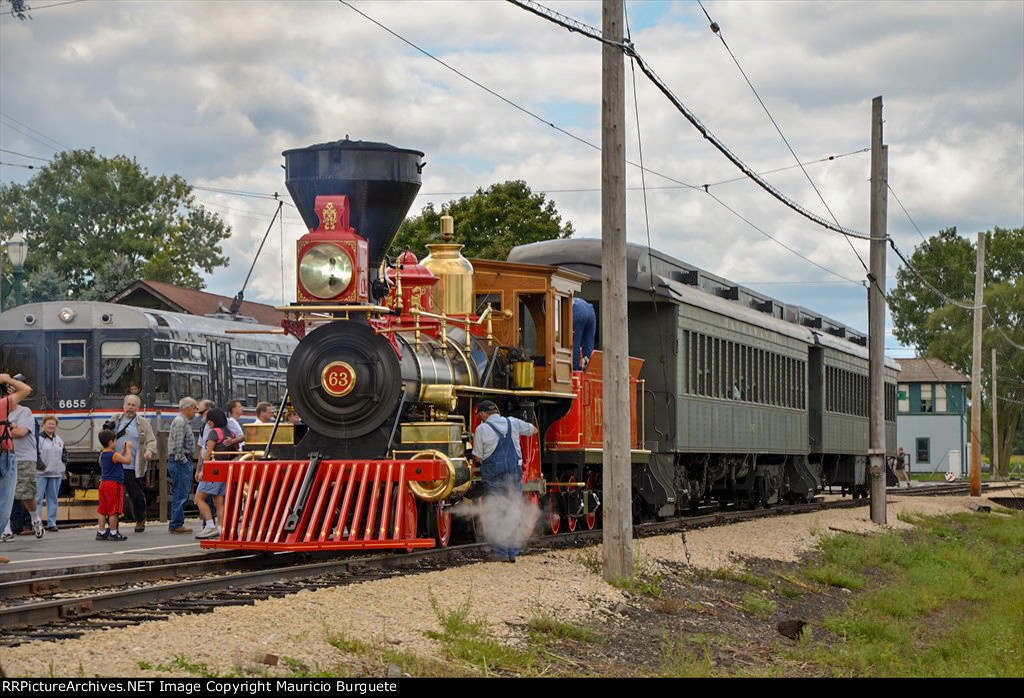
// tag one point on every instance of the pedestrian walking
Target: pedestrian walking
(219, 446)
(53, 459)
(181, 448)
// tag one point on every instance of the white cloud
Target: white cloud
(215, 91)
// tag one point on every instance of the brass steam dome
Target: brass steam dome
(445, 261)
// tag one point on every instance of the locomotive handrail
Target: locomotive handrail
(273, 331)
(343, 308)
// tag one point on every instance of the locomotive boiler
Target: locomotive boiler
(393, 355)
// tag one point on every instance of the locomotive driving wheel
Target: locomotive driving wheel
(552, 517)
(439, 522)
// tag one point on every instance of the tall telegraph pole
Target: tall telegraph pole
(995, 423)
(618, 509)
(876, 312)
(979, 298)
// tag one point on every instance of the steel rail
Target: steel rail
(39, 613)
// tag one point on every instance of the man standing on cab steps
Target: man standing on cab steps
(496, 448)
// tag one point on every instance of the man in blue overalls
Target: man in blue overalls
(496, 449)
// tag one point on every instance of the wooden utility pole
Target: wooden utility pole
(994, 470)
(618, 506)
(979, 297)
(876, 313)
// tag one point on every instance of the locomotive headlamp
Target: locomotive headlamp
(66, 314)
(325, 270)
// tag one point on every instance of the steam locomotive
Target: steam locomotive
(394, 354)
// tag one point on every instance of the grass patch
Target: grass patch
(743, 577)
(469, 641)
(678, 661)
(835, 576)
(339, 640)
(951, 604)
(758, 605)
(196, 669)
(543, 624)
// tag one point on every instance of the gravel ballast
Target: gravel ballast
(395, 613)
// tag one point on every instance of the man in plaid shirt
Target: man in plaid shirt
(181, 448)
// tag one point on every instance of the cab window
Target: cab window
(20, 358)
(72, 359)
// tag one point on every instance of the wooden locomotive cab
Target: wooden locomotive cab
(540, 299)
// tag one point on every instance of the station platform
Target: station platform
(76, 550)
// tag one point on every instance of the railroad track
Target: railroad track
(232, 581)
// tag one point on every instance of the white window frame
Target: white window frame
(85, 358)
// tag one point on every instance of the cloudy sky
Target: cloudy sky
(214, 91)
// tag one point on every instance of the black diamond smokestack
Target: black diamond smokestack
(380, 180)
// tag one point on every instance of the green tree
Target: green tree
(489, 223)
(83, 210)
(45, 284)
(115, 275)
(941, 329)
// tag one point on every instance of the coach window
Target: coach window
(239, 358)
(120, 367)
(197, 354)
(198, 386)
(261, 360)
(238, 390)
(250, 359)
(161, 350)
(183, 390)
(261, 394)
(272, 361)
(272, 395)
(284, 362)
(250, 392)
(183, 352)
(162, 386)
(72, 359)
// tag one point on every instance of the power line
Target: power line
(502, 97)
(30, 157)
(43, 7)
(27, 135)
(940, 294)
(716, 29)
(40, 133)
(779, 242)
(906, 212)
(594, 190)
(14, 164)
(629, 50)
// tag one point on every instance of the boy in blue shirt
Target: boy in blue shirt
(111, 503)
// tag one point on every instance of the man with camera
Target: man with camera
(129, 426)
(12, 392)
(23, 430)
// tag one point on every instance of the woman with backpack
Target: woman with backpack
(221, 444)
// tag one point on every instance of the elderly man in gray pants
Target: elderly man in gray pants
(181, 448)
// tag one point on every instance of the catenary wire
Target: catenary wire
(39, 133)
(43, 7)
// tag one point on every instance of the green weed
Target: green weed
(758, 605)
(742, 576)
(544, 624)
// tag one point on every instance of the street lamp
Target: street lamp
(17, 251)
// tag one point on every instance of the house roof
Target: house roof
(929, 371)
(157, 294)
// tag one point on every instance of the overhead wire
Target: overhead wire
(44, 7)
(629, 49)
(572, 135)
(37, 132)
(717, 31)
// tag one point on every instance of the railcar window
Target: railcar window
(272, 361)
(72, 359)
(250, 392)
(198, 385)
(261, 394)
(261, 360)
(923, 450)
(284, 362)
(161, 350)
(20, 358)
(162, 386)
(183, 390)
(926, 399)
(272, 395)
(238, 390)
(120, 367)
(714, 367)
(239, 358)
(197, 354)
(250, 359)
(183, 352)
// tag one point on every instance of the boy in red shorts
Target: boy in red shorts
(111, 486)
